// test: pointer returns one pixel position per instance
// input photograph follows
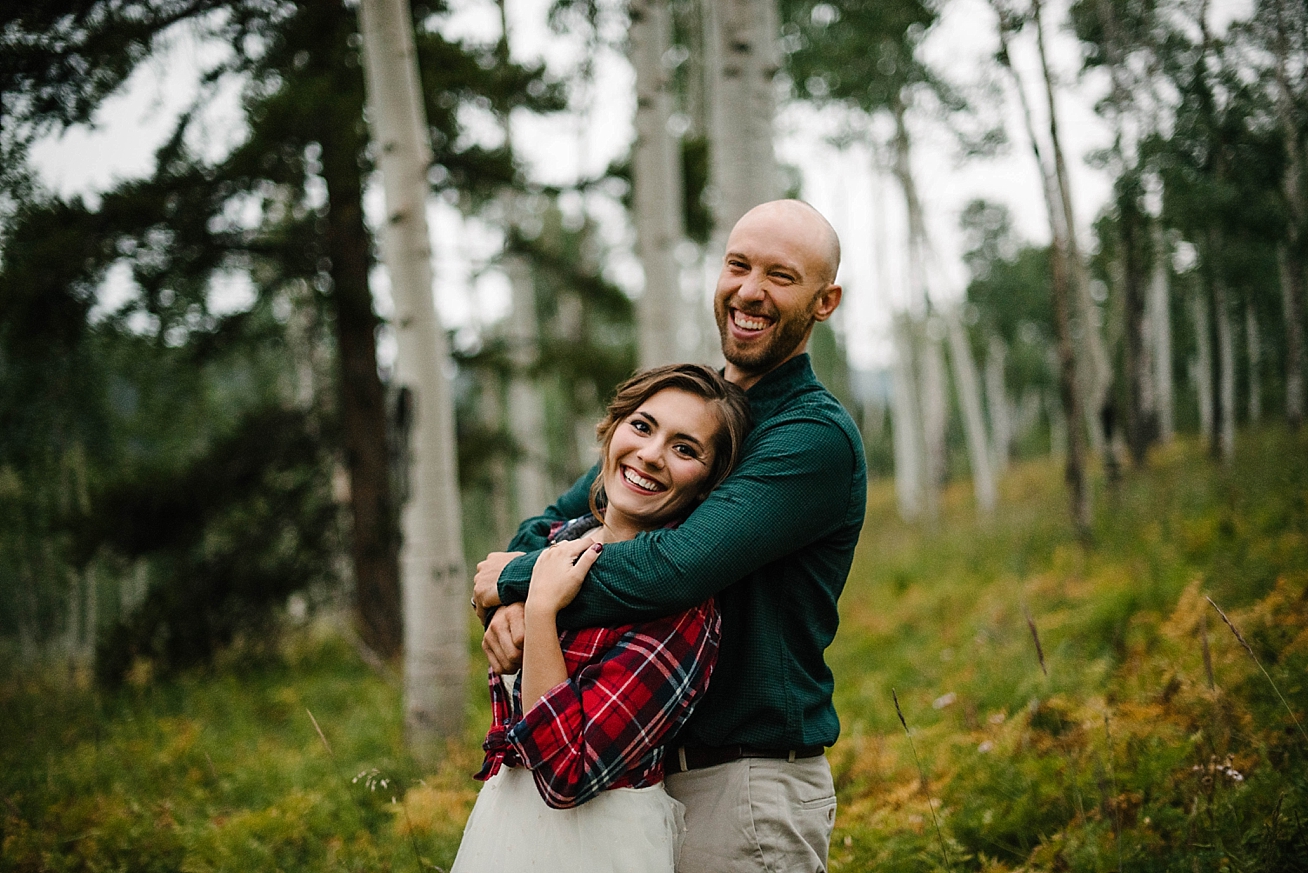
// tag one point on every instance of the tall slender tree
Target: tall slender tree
(656, 184)
(434, 582)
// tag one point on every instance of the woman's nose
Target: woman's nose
(651, 453)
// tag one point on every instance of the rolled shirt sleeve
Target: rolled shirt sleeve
(637, 685)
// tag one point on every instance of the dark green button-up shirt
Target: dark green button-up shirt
(774, 542)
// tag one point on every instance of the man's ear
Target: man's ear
(827, 302)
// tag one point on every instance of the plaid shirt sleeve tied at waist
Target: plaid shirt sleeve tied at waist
(629, 689)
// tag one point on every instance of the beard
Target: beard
(764, 354)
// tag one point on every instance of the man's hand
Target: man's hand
(502, 641)
(486, 583)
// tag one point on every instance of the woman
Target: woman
(574, 761)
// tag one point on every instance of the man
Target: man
(774, 542)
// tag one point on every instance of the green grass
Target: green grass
(1122, 757)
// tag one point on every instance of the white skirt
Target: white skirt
(623, 830)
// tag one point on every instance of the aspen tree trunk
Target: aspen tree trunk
(656, 185)
(745, 59)
(906, 433)
(531, 482)
(1141, 418)
(1292, 285)
(974, 427)
(1294, 272)
(1160, 333)
(1202, 365)
(374, 533)
(1254, 348)
(1072, 387)
(1001, 422)
(965, 378)
(434, 583)
(1224, 402)
(1096, 372)
(935, 413)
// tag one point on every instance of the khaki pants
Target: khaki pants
(756, 814)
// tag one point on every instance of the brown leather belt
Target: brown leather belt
(683, 758)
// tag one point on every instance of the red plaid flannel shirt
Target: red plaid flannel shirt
(629, 689)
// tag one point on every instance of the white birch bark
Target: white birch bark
(1096, 374)
(744, 59)
(968, 387)
(935, 413)
(1001, 422)
(905, 421)
(526, 406)
(1159, 314)
(656, 186)
(1201, 367)
(920, 254)
(435, 586)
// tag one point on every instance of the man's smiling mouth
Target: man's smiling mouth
(750, 322)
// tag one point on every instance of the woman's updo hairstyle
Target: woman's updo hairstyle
(727, 401)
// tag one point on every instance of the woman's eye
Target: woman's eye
(640, 426)
(686, 451)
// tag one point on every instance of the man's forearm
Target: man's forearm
(533, 535)
(792, 488)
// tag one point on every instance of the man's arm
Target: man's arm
(533, 533)
(532, 536)
(792, 486)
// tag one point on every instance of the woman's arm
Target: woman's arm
(555, 580)
(584, 734)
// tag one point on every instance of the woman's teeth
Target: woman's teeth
(640, 481)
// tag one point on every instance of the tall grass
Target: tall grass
(1063, 695)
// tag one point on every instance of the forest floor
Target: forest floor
(1010, 700)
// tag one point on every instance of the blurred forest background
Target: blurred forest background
(218, 450)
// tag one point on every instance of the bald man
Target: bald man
(774, 543)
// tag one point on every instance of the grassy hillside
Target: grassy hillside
(1150, 740)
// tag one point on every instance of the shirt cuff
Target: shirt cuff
(550, 728)
(515, 578)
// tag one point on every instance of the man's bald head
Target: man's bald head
(804, 220)
(778, 278)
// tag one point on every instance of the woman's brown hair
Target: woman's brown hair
(727, 401)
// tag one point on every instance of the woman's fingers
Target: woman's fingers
(587, 558)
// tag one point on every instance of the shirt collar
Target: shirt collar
(777, 385)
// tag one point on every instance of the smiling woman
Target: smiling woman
(575, 755)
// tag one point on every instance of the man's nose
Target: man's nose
(752, 287)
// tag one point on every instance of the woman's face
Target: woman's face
(658, 460)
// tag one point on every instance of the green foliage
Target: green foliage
(1122, 757)
(224, 770)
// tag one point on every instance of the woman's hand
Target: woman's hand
(559, 572)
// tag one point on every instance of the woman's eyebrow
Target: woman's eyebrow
(690, 438)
